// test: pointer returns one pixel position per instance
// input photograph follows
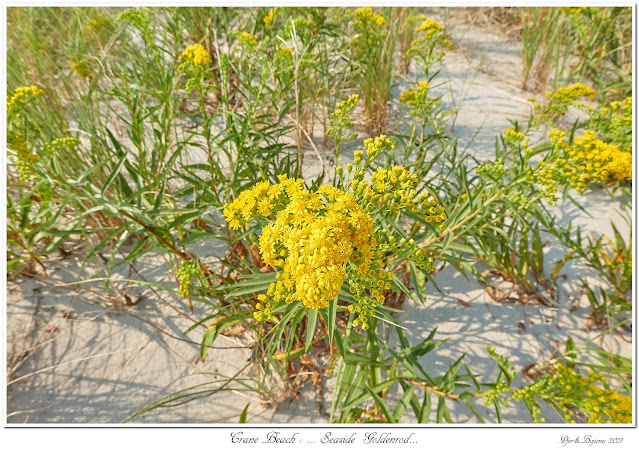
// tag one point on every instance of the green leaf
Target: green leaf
(209, 336)
(448, 381)
(114, 173)
(424, 413)
(364, 396)
(497, 409)
(332, 316)
(310, 327)
(244, 414)
(400, 409)
(382, 406)
(472, 409)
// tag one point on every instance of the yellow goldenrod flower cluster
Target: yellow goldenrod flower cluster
(572, 10)
(571, 390)
(511, 133)
(411, 95)
(430, 36)
(195, 56)
(599, 405)
(184, 282)
(67, 142)
(319, 239)
(620, 165)
(366, 15)
(25, 158)
(23, 94)
(268, 20)
(612, 123)
(376, 146)
(344, 107)
(418, 101)
(315, 238)
(567, 95)
(247, 39)
(188, 269)
(558, 102)
(429, 27)
(587, 160)
(516, 138)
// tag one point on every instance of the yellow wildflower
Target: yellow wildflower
(195, 56)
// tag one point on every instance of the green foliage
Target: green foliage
(159, 117)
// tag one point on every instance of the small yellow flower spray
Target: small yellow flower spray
(317, 240)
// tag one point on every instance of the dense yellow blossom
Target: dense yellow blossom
(23, 94)
(513, 134)
(312, 239)
(558, 102)
(613, 123)
(319, 239)
(566, 95)
(195, 55)
(412, 97)
(599, 405)
(366, 15)
(268, 20)
(247, 39)
(375, 146)
(572, 10)
(25, 158)
(587, 160)
(429, 27)
(620, 165)
(420, 104)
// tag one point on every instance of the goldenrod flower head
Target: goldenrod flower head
(375, 146)
(23, 94)
(557, 135)
(285, 52)
(587, 160)
(317, 240)
(321, 233)
(344, 107)
(268, 20)
(247, 39)
(572, 10)
(566, 95)
(407, 96)
(516, 136)
(620, 165)
(366, 15)
(341, 121)
(25, 158)
(195, 56)
(429, 27)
